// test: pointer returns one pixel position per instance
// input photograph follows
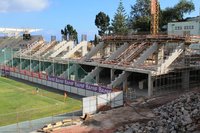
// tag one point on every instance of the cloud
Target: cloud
(23, 5)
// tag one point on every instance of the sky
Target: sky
(53, 15)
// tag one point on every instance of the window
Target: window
(185, 27)
(178, 28)
(189, 27)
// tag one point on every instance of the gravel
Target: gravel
(179, 116)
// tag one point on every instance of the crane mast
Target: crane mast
(154, 17)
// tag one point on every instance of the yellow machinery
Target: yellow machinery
(154, 17)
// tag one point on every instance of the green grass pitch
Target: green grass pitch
(21, 102)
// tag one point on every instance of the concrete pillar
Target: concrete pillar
(111, 47)
(102, 51)
(84, 49)
(156, 58)
(150, 85)
(76, 72)
(160, 56)
(185, 79)
(108, 49)
(125, 85)
(97, 78)
(112, 75)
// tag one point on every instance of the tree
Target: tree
(140, 16)
(177, 12)
(119, 23)
(69, 33)
(184, 7)
(168, 14)
(102, 22)
(64, 33)
(74, 36)
(70, 30)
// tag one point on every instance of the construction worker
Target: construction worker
(37, 89)
(65, 96)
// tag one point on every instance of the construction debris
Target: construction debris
(175, 112)
(180, 115)
(86, 117)
(56, 126)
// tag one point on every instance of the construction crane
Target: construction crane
(154, 17)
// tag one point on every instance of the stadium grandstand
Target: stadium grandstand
(139, 65)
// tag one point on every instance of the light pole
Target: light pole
(53, 68)
(68, 69)
(2, 63)
(20, 63)
(39, 62)
(12, 56)
(30, 62)
(4, 57)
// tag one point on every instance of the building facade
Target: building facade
(190, 27)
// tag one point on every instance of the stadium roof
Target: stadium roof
(17, 31)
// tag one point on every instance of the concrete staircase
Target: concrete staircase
(27, 67)
(40, 50)
(93, 51)
(134, 53)
(163, 68)
(5, 41)
(54, 49)
(145, 55)
(118, 51)
(82, 46)
(45, 48)
(36, 68)
(118, 80)
(126, 52)
(69, 71)
(34, 48)
(24, 51)
(68, 45)
(92, 74)
(49, 69)
(32, 65)
(97, 70)
(64, 75)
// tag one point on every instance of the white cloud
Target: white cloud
(23, 5)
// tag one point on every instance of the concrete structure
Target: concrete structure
(17, 31)
(189, 27)
(138, 65)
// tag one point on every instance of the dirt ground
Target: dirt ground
(106, 122)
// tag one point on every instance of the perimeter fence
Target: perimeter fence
(27, 121)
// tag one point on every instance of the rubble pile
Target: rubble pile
(180, 115)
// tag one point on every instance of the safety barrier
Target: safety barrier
(102, 102)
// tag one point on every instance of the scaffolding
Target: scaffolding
(183, 74)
